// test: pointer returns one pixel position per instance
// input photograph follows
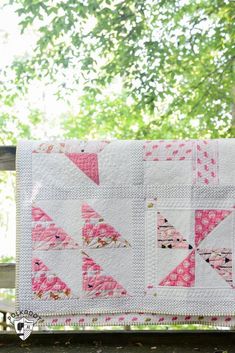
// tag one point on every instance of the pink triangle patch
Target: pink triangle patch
(96, 233)
(87, 163)
(206, 221)
(183, 275)
(220, 260)
(88, 212)
(39, 215)
(45, 284)
(51, 237)
(168, 236)
(96, 283)
(39, 266)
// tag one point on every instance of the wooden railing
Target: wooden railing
(7, 162)
(7, 157)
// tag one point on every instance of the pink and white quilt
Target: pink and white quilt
(123, 232)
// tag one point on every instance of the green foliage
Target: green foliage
(104, 116)
(14, 128)
(175, 58)
(7, 259)
(101, 116)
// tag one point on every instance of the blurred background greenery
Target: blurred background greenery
(132, 69)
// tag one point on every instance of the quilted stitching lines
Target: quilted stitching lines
(183, 275)
(90, 205)
(83, 154)
(172, 150)
(87, 163)
(51, 237)
(46, 235)
(46, 284)
(39, 215)
(206, 221)
(220, 259)
(96, 233)
(206, 162)
(96, 283)
(168, 236)
(203, 153)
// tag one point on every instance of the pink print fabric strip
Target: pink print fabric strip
(126, 232)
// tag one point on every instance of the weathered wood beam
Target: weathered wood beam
(7, 157)
(121, 341)
(7, 162)
(7, 306)
(7, 275)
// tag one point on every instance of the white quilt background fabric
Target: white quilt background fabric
(126, 231)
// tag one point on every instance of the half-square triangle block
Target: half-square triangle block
(206, 221)
(46, 284)
(97, 233)
(182, 275)
(46, 235)
(168, 236)
(96, 283)
(87, 163)
(220, 260)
